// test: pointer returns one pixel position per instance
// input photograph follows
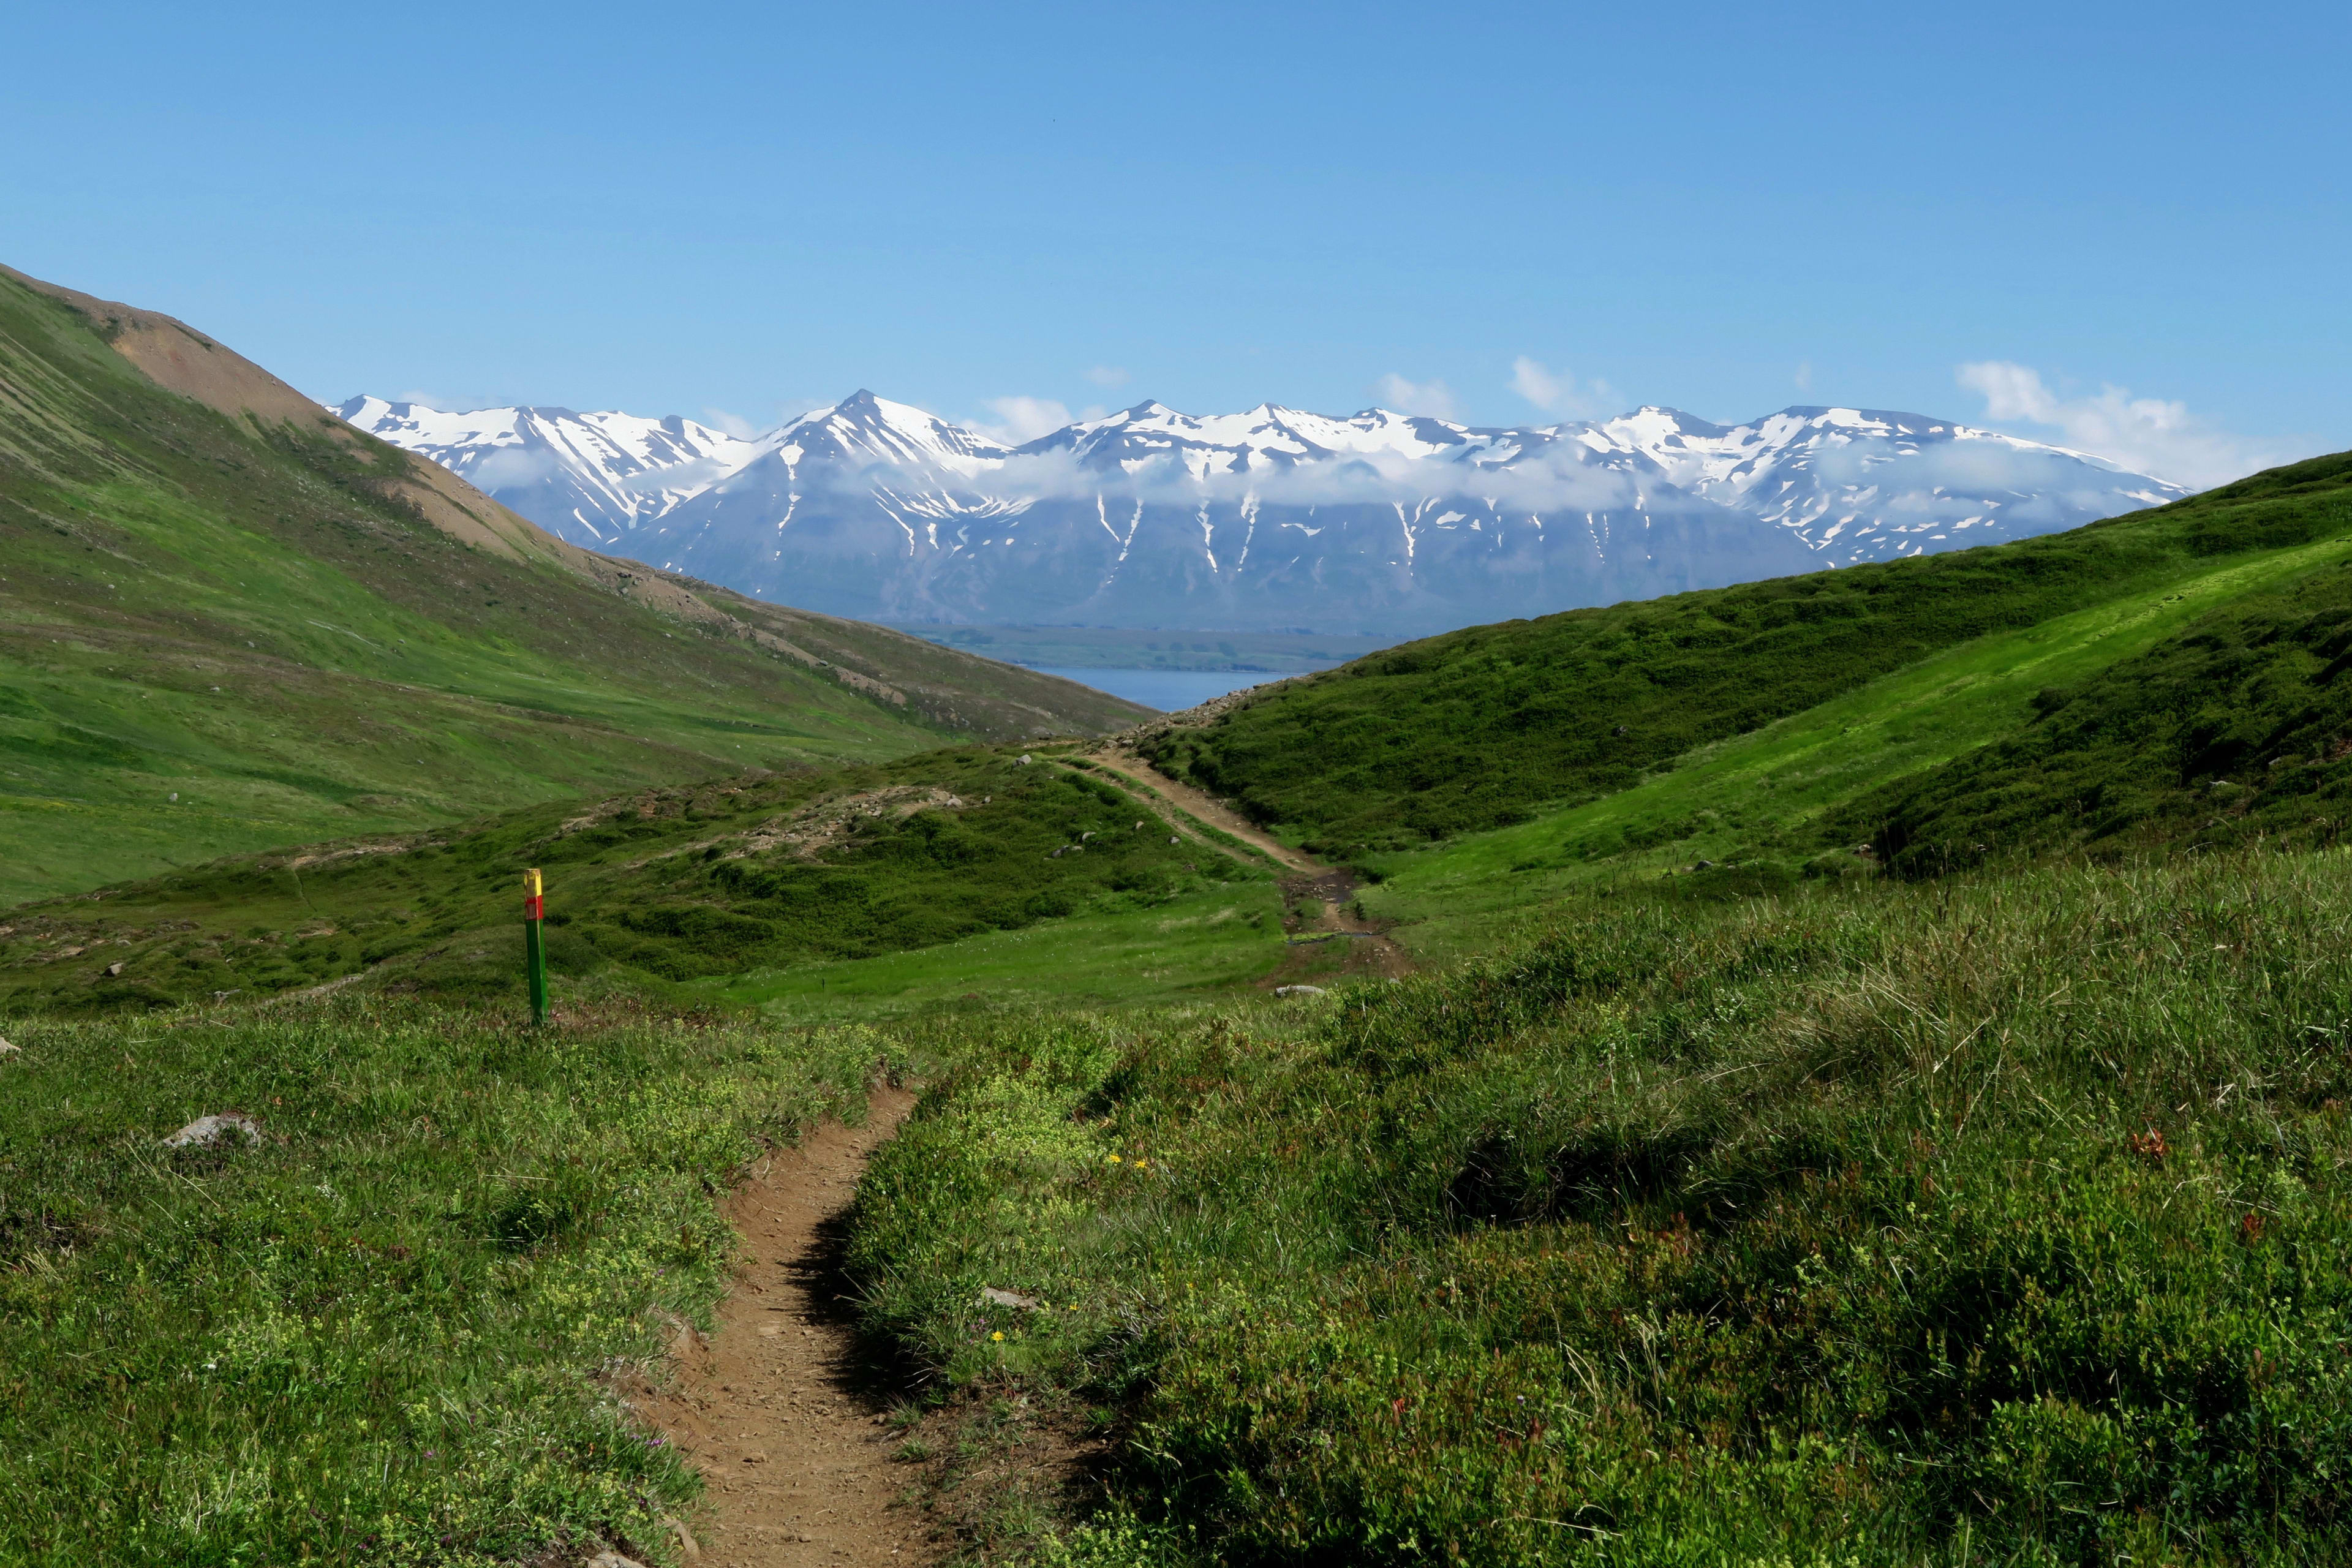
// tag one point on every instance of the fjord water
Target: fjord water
(1170, 690)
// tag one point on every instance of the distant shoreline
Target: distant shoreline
(1057, 648)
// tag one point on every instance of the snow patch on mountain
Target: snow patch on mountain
(1273, 516)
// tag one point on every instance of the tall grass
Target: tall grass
(1990, 1222)
(395, 1331)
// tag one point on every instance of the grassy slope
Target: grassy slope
(1791, 798)
(1481, 728)
(1996, 1223)
(681, 885)
(398, 1332)
(260, 619)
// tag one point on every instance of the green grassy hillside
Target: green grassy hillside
(397, 1330)
(227, 621)
(1482, 728)
(1996, 1223)
(660, 886)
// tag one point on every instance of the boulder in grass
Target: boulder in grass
(206, 1131)
(990, 1296)
(1298, 991)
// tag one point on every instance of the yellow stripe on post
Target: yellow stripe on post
(533, 947)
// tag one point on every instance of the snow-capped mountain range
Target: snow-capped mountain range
(1379, 523)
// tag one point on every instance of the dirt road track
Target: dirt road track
(1205, 807)
(1331, 887)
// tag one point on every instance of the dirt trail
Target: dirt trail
(777, 1408)
(1207, 807)
(1310, 880)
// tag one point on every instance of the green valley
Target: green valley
(1855, 1070)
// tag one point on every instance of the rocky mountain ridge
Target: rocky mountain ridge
(1376, 523)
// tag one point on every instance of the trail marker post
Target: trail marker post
(534, 948)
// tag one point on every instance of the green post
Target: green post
(534, 948)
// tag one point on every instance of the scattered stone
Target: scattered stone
(612, 1560)
(688, 1547)
(1621, 729)
(1084, 837)
(1173, 839)
(990, 1296)
(1022, 761)
(206, 1130)
(1298, 991)
(114, 968)
(8, 1050)
(1139, 827)
(1703, 866)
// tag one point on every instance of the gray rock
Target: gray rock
(1298, 991)
(206, 1130)
(990, 1296)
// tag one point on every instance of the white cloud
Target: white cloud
(1558, 392)
(2145, 434)
(1433, 398)
(1020, 419)
(1804, 378)
(1108, 376)
(734, 425)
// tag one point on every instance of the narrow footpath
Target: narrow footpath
(777, 1408)
(784, 1418)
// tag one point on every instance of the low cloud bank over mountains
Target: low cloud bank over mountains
(1379, 523)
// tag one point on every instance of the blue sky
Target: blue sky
(2128, 224)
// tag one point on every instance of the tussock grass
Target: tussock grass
(1998, 1221)
(394, 1331)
